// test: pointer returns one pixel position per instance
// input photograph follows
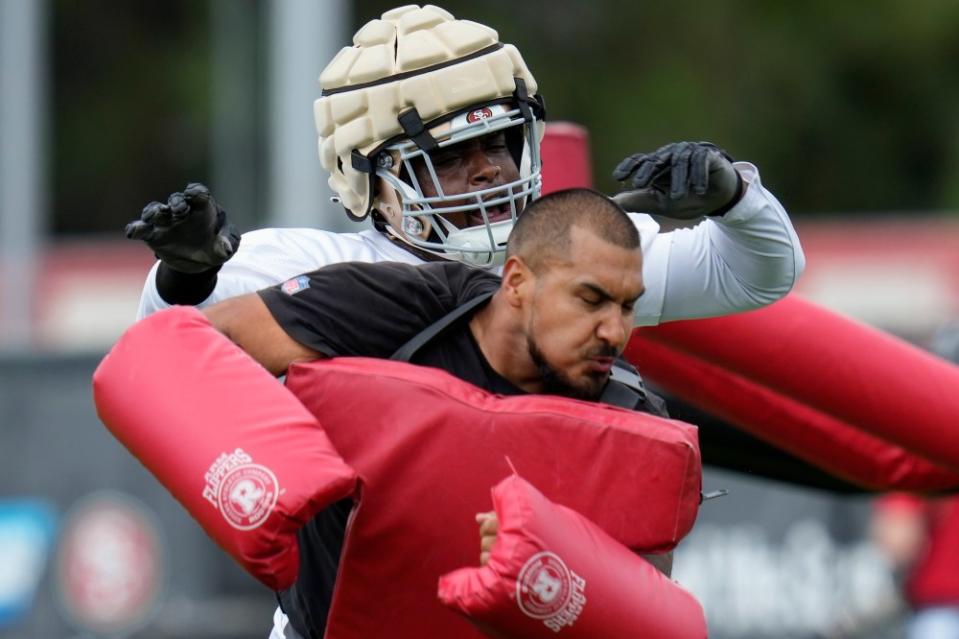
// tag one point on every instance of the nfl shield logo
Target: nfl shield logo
(297, 284)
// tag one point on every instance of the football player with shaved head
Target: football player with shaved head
(554, 323)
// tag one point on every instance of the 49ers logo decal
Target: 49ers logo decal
(244, 493)
(546, 589)
(479, 114)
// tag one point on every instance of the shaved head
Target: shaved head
(542, 233)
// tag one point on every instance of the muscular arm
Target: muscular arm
(248, 323)
(748, 258)
(267, 257)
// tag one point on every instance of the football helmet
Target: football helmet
(415, 82)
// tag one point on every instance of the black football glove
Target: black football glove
(682, 180)
(189, 233)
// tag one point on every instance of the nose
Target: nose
(613, 329)
(481, 170)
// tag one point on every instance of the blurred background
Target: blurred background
(851, 111)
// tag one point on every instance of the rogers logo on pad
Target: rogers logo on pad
(244, 493)
(546, 589)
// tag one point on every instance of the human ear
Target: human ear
(517, 281)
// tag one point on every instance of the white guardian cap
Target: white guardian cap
(416, 84)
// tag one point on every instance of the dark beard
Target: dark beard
(555, 383)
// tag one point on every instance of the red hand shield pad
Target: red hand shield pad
(553, 571)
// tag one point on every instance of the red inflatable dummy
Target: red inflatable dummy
(428, 447)
(552, 570)
(838, 367)
(567, 147)
(223, 435)
(816, 437)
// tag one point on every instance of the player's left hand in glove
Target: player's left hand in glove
(189, 233)
(682, 180)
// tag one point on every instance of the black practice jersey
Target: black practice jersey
(371, 310)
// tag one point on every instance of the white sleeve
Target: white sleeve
(748, 258)
(266, 257)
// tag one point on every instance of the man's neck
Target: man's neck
(503, 344)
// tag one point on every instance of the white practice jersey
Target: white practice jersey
(745, 259)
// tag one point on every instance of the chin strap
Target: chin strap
(416, 130)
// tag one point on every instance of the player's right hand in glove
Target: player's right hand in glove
(682, 180)
(189, 233)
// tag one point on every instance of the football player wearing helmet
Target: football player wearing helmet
(431, 127)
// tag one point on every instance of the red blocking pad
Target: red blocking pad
(428, 447)
(231, 444)
(836, 366)
(565, 156)
(553, 572)
(818, 438)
